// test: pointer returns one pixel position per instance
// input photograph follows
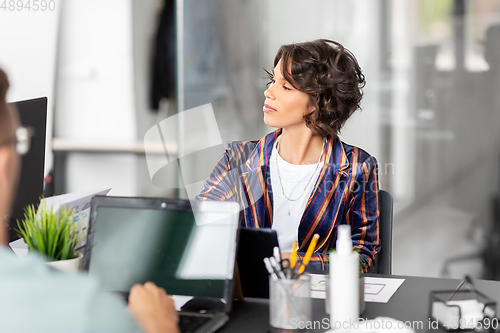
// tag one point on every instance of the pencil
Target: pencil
(293, 258)
(309, 253)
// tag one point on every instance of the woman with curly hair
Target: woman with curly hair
(301, 179)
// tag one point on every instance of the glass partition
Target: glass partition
(431, 107)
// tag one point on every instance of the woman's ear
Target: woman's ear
(310, 109)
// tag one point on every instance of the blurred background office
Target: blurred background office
(114, 69)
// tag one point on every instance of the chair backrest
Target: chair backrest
(384, 257)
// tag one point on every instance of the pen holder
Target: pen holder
(290, 302)
(467, 309)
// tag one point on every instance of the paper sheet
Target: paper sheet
(380, 290)
(79, 201)
(19, 247)
(377, 290)
(318, 285)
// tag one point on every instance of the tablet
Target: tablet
(254, 246)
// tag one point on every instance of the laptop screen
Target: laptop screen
(187, 251)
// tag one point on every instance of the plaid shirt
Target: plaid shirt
(346, 192)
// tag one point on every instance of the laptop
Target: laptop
(255, 245)
(187, 248)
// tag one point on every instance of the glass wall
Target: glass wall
(431, 107)
(430, 112)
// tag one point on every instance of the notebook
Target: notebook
(187, 248)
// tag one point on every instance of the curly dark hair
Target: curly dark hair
(330, 75)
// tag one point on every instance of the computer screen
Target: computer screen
(33, 113)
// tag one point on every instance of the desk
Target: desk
(409, 303)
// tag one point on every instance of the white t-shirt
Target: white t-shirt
(287, 214)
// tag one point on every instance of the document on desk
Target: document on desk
(380, 290)
(377, 290)
(79, 201)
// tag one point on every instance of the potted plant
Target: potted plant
(54, 235)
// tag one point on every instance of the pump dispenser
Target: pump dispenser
(344, 282)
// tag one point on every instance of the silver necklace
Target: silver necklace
(305, 187)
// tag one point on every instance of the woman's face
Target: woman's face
(285, 106)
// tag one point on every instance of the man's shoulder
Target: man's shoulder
(28, 286)
(12, 264)
(32, 267)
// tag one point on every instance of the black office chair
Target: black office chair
(384, 257)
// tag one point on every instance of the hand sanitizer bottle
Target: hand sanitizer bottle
(344, 283)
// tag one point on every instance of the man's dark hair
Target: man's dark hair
(330, 75)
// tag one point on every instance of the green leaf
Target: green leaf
(53, 235)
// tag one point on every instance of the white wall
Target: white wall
(403, 124)
(28, 42)
(95, 101)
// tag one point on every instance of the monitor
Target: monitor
(33, 113)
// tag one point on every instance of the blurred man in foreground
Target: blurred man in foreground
(37, 299)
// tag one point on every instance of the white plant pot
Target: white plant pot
(70, 265)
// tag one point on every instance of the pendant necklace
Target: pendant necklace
(305, 187)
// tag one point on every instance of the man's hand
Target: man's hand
(153, 309)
